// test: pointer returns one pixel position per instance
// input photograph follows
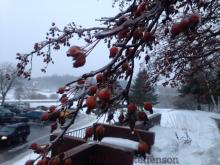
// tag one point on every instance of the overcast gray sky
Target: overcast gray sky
(24, 22)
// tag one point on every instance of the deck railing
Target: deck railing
(153, 120)
(80, 133)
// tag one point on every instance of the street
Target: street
(38, 135)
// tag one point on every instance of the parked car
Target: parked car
(13, 108)
(34, 115)
(44, 108)
(14, 133)
(5, 114)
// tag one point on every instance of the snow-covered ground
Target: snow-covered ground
(203, 147)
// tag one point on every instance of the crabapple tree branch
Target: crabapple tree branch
(173, 35)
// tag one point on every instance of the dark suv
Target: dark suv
(14, 133)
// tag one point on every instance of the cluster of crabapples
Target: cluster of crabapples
(78, 55)
(99, 132)
(53, 115)
(47, 160)
(57, 160)
(139, 32)
(98, 97)
(133, 115)
(185, 24)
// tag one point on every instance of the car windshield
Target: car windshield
(7, 129)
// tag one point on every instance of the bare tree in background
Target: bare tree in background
(8, 78)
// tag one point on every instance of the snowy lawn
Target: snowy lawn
(202, 131)
(198, 143)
